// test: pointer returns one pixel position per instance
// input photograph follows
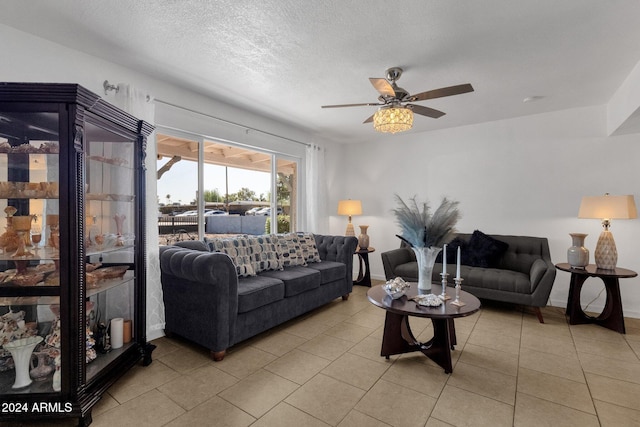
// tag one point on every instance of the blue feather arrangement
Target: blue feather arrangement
(422, 229)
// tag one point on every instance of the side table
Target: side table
(364, 276)
(611, 316)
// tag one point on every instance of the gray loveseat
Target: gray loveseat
(208, 302)
(522, 274)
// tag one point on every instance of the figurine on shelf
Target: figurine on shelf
(90, 351)
(57, 380)
(12, 328)
(9, 239)
(94, 238)
(102, 339)
(42, 369)
(53, 222)
(119, 219)
(22, 226)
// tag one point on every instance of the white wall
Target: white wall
(523, 176)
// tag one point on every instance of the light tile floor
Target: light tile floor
(325, 369)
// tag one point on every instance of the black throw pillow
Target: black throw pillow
(452, 251)
(484, 251)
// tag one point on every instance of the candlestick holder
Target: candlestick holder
(457, 302)
(443, 296)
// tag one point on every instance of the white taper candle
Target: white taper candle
(444, 258)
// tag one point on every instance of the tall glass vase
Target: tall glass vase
(426, 258)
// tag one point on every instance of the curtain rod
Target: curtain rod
(306, 144)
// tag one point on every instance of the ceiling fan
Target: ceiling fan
(396, 111)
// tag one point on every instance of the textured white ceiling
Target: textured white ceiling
(286, 58)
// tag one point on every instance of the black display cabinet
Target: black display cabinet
(72, 249)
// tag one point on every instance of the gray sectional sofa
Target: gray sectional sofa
(213, 301)
(519, 272)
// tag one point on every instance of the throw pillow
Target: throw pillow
(264, 253)
(452, 252)
(238, 249)
(309, 248)
(484, 250)
(289, 250)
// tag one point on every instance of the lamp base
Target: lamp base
(606, 254)
(350, 231)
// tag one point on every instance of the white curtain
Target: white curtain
(316, 190)
(140, 104)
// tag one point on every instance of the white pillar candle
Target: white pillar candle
(458, 265)
(116, 332)
(444, 258)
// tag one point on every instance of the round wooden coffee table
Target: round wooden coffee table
(399, 339)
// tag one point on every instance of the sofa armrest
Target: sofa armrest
(200, 293)
(541, 275)
(395, 257)
(339, 249)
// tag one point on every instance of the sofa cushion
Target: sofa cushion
(484, 251)
(290, 250)
(197, 245)
(238, 249)
(495, 279)
(330, 271)
(296, 279)
(257, 291)
(264, 253)
(309, 248)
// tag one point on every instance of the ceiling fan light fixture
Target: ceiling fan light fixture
(393, 119)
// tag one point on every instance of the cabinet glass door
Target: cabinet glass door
(30, 325)
(110, 244)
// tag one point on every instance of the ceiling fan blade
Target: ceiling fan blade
(382, 86)
(425, 111)
(439, 93)
(351, 105)
(369, 120)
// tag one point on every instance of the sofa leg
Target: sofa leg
(345, 297)
(218, 355)
(538, 314)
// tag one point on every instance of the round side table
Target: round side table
(364, 276)
(611, 316)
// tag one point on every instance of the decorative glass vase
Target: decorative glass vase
(363, 238)
(426, 258)
(577, 254)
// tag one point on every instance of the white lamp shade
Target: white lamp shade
(349, 207)
(608, 207)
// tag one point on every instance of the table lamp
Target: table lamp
(349, 208)
(607, 208)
